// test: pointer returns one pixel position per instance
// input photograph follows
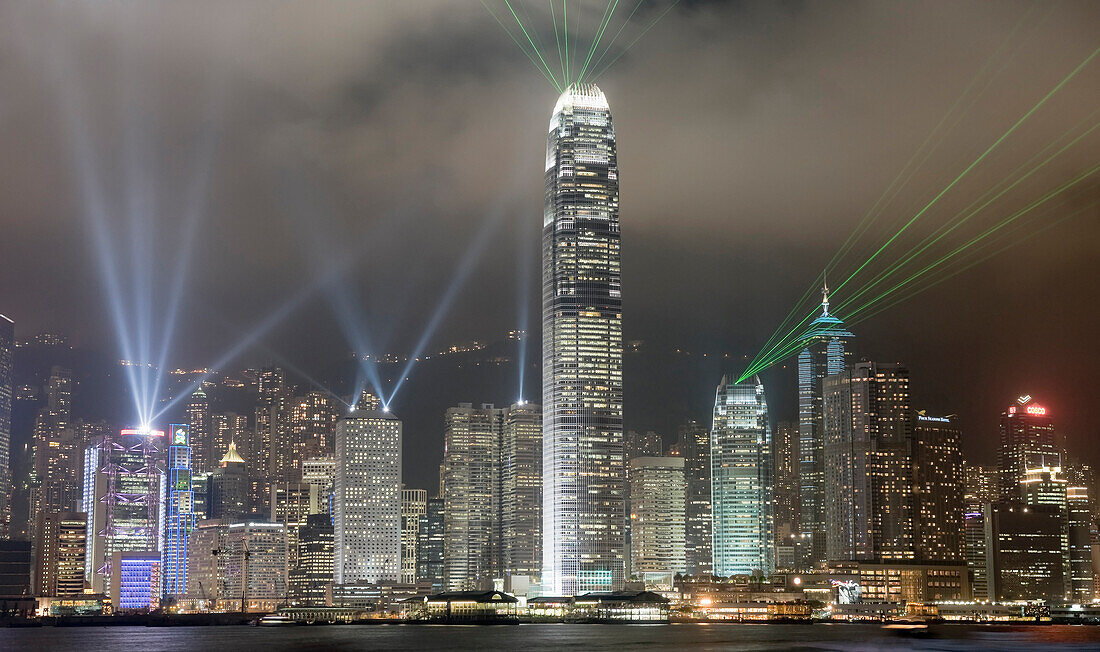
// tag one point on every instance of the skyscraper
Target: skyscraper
(657, 515)
(310, 578)
(583, 473)
(429, 545)
(521, 492)
(180, 511)
(693, 443)
(59, 551)
(311, 421)
(290, 505)
(55, 476)
(1027, 431)
(785, 457)
(199, 427)
(824, 354)
(981, 491)
(367, 505)
(122, 490)
(229, 492)
(414, 504)
(252, 565)
(938, 486)
(471, 461)
(741, 483)
(7, 350)
(868, 464)
(1080, 545)
(226, 428)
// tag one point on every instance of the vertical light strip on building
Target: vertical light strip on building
(180, 517)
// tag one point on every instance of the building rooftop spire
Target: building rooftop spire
(232, 455)
(824, 296)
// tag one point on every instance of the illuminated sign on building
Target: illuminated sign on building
(921, 417)
(1036, 410)
(179, 434)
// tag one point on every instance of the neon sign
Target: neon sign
(148, 431)
(1036, 410)
(1012, 409)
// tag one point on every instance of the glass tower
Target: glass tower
(823, 354)
(741, 483)
(180, 517)
(582, 350)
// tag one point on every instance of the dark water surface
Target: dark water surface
(546, 637)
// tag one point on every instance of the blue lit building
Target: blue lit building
(179, 518)
(741, 482)
(823, 354)
(135, 581)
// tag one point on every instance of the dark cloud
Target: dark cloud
(753, 137)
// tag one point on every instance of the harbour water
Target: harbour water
(557, 637)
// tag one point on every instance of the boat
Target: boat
(276, 620)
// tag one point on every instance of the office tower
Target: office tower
(199, 431)
(1026, 431)
(521, 492)
(657, 515)
(204, 547)
(122, 490)
(741, 484)
(268, 449)
(1080, 545)
(229, 488)
(471, 457)
(180, 510)
(981, 489)
(1024, 554)
(59, 550)
(16, 569)
(367, 505)
(290, 506)
(55, 476)
(226, 428)
(938, 486)
(253, 565)
(135, 580)
(648, 444)
(429, 545)
(785, 457)
(693, 443)
(318, 473)
(824, 354)
(310, 580)
(584, 489)
(868, 464)
(311, 422)
(414, 504)
(7, 382)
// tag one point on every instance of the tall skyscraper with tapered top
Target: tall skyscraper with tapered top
(582, 350)
(823, 354)
(7, 350)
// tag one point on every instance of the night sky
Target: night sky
(377, 154)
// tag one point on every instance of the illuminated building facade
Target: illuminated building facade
(1027, 431)
(693, 444)
(414, 504)
(1080, 545)
(122, 491)
(311, 577)
(252, 566)
(199, 432)
(226, 428)
(229, 488)
(785, 457)
(981, 489)
(429, 545)
(312, 420)
(269, 451)
(741, 483)
(938, 485)
(59, 550)
(584, 493)
(868, 464)
(135, 580)
(55, 483)
(521, 492)
(367, 504)
(824, 354)
(290, 505)
(318, 473)
(1025, 557)
(7, 366)
(204, 560)
(471, 461)
(180, 513)
(657, 515)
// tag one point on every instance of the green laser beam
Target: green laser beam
(957, 221)
(565, 21)
(615, 38)
(970, 167)
(549, 78)
(636, 38)
(608, 13)
(529, 40)
(557, 37)
(876, 209)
